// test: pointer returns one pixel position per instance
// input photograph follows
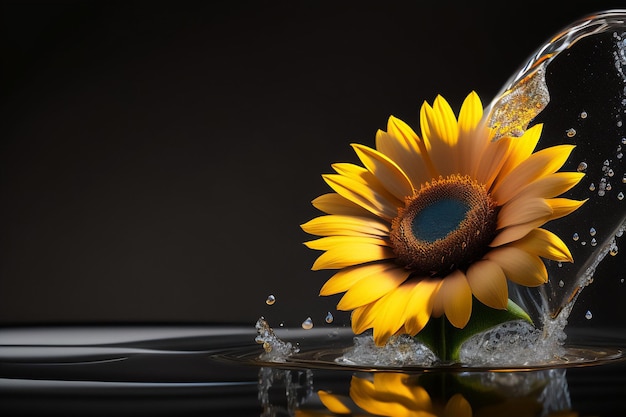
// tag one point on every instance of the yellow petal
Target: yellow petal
(439, 125)
(561, 207)
(362, 318)
(400, 129)
(372, 287)
(488, 284)
(335, 224)
(471, 112)
(351, 254)
(551, 185)
(519, 266)
(353, 171)
(523, 210)
(347, 277)
(420, 305)
(333, 402)
(334, 242)
(541, 163)
(521, 148)
(456, 296)
(491, 161)
(513, 233)
(389, 313)
(333, 203)
(457, 406)
(365, 195)
(385, 170)
(405, 152)
(546, 244)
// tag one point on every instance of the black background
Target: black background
(157, 158)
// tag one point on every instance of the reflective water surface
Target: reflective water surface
(193, 370)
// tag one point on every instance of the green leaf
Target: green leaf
(445, 340)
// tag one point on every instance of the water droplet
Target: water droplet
(594, 242)
(267, 346)
(559, 264)
(588, 315)
(619, 155)
(571, 132)
(608, 186)
(307, 324)
(329, 318)
(613, 250)
(561, 283)
(583, 243)
(582, 166)
(592, 231)
(621, 280)
(619, 233)
(606, 163)
(270, 300)
(575, 236)
(624, 179)
(583, 114)
(601, 193)
(592, 187)
(624, 141)
(610, 172)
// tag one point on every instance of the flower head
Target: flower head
(429, 222)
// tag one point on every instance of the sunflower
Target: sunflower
(430, 222)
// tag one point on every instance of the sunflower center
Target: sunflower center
(446, 225)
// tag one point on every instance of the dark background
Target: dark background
(157, 158)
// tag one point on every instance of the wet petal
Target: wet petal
(519, 266)
(373, 287)
(488, 284)
(387, 171)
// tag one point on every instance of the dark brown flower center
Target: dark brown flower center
(446, 225)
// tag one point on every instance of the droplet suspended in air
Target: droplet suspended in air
(329, 318)
(582, 166)
(561, 283)
(270, 300)
(571, 132)
(307, 324)
(613, 250)
(583, 114)
(588, 315)
(594, 242)
(592, 187)
(575, 237)
(592, 231)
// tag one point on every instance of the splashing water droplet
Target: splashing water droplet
(270, 300)
(329, 318)
(613, 250)
(307, 324)
(594, 242)
(588, 315)
(571, 132)
(575, 237)
(620, 196)
(592, 187)
(583, 114)
(561, 283)
(592, 231)
(581, 167)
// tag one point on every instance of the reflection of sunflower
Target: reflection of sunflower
(392, 394)
(428, 222)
